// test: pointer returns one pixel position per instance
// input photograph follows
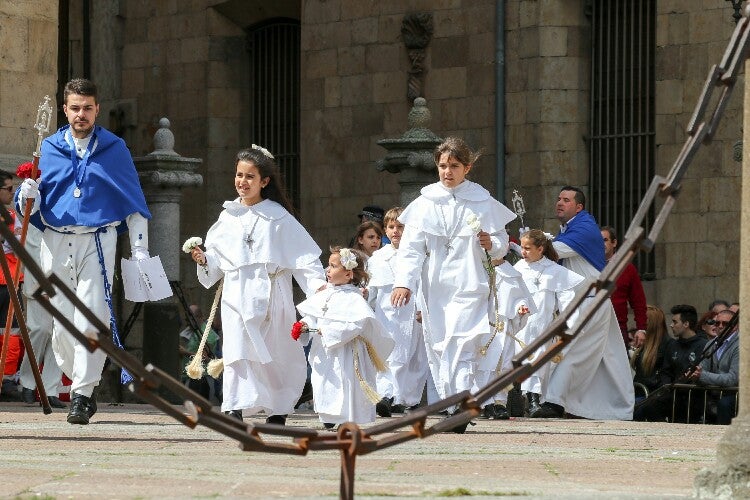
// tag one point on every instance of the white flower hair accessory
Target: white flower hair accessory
(348, 259)
(263, 150)
(549, 236)
(473, 222)
(191, 243)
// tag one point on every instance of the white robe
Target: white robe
(440, 248)
(498, 358)
(593, 380)
(264, 368)
(344, 322)
(553, 288)
(405, 378)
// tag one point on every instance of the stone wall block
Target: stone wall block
(528, 42)
(515, 108)
(478, 112)
(698, 291)
(669, 61)
(194, 49)
(321, 11)
(332, 92)
(326, 36)
(521, 138)
(446, 83)
(553, 41)
(685, 228)
(42, 54)
(389, 87)
(528, 14)
(367, 119)
(14, 40)
(560, 168)
(222, 132)
(312, 94)
(669, 97)
(357, 9)
(559, 106)
(351, 60)
(356, 89)
(364, 31)
(481, 80)
(132, 82)
(319, 63)
(223, 102)
(41, 10)
(158, 28)
(448, 23)
(559, 136)
(678, 29)
(680, 260)
(512, 13)
(454, 51)
(480, 18)
(689, 200)
(561, 73)
(384, 57)
(561, 13)
(707, 25)
(579, 41)
(482, 48)
(710, 259)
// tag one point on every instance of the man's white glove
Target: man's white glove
(523, 230)
(139, 253)
(29, 190)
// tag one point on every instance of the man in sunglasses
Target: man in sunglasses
(722, 368)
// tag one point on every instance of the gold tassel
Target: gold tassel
(215, 367)
(194, 368)
(377, 361)
(371, 393)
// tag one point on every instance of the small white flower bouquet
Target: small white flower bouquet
(191, 243)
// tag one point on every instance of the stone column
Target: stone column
(411, 156)
(163, 173)
(730, 478)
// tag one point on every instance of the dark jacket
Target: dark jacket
(679, 355)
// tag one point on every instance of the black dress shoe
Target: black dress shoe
(55, 402)
(488, 412)
(383, 407)
(276, 419)
(398, 409)
(549, 410)
(329, 426)
(533, 399)
(28, 396)
(235, 413)
(82, 409)
(500, 413)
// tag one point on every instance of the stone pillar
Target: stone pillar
(163, 173)
(412, 155)
(730, 478)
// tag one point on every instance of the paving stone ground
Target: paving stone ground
(134, 451)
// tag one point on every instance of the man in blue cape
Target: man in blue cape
(593, 378)
(88, 193)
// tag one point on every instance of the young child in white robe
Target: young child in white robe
(446, 257)
(553, 288)
(402, 384)
(348, 343)
(509, 308)
(257, 246)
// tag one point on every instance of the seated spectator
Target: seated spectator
(681, 353)
(649, 358)
(722, 369)
(705, 326)
(718, 305)
(735, 307)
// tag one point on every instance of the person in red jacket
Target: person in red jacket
(15, 348)
(628, 290)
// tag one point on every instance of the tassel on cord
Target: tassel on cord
(371, 393)
(194, 368)
(215, 367)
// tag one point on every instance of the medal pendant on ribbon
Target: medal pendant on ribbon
(77, 192)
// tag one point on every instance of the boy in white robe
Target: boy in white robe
(257, 246)
(442, 252)
(402, 384)
(348, 343)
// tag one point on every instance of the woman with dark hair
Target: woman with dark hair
(249, 247)
(705, 327)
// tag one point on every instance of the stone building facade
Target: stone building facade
(192, 62)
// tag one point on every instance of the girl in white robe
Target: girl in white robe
(402, 384)
(509, 309)
(257, 246)
(348, 343)
(441, 249)
(553, 288)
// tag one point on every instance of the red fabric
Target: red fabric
(629, 289)
(11, 258)
(15, 354)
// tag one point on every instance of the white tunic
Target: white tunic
(593, 380)
(407, 365)
(338, 354)
(553, 288)
(257, 250)
(439, 247)
(498, 358)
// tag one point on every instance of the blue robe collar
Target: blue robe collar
(582, 234)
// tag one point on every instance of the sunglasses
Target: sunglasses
(721, 323)
(7, 188)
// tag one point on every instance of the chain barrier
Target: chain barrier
(351, 440)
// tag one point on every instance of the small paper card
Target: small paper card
(145, 280)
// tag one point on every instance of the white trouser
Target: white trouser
(73, 258)
(39, 324)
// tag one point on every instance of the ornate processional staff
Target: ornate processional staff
(43, 119)
(518, 206)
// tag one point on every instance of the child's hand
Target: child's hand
(365, 292)
(484, 240)
(198, 256)
(523, 310)
(400, 296)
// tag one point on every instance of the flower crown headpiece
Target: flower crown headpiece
(348, 259)
(263, 150)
